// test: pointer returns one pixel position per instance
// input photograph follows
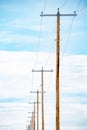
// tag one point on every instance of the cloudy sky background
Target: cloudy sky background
(27, 42)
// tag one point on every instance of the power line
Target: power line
(51, 47)
(44, 7)
(78, 5)
(31, 87)
(38, 47)
(67, 40)
(49, 55)
(81, 9)
(63, 4)
(85, 6)
(49, 83)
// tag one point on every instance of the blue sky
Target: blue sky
(28, 42)
(20, 25)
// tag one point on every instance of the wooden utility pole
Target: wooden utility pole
(42, 92)
(42, 100)
(33, 113)
(57, 64)
(37, 107)
(37, 110)
(31, 125)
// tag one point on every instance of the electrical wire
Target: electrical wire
(38, 47)
(31, 88)
(49, 83)
(51, 48)
(85, 6)
(63, 4)
(78, 5)
(49, 55)
(44, 7)
(79, 10)
(67, 40)
(32, 84)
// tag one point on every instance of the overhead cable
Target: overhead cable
(67, 40)
(44, 7)
(81, 9)
(63, 4)
(38, 47)
(51, 47)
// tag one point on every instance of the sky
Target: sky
(28, 41)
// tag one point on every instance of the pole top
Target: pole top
(58, 13)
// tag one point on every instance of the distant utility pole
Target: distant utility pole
(57, 64)
(29, 127)
(31, 121)
(37, 107)
(34, 112)
(42, 92)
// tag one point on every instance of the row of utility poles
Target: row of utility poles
(37, 102)
(57, 79)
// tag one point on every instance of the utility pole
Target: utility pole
(37, 107)
(34, 112)
(29, 126)
(37, 110)
(42, 92)
(57, 64)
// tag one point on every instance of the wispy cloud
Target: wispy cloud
(8, 37)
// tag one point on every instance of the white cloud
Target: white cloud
(25, 24)
(10, 37)
(16, 82)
